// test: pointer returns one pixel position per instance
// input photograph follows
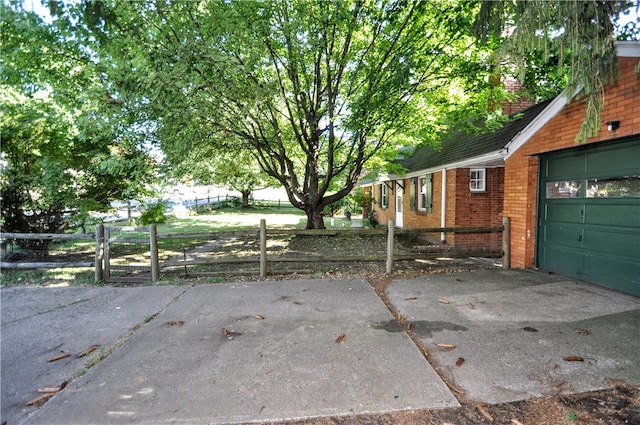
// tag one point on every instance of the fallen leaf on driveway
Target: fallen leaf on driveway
(455, 389)
(411, 298)
(484, 412)
(88, 351)
(460, 361)
(443, 301)
(258, 316)
(443, 345)
(471, 306)
(40, 400)
(580, 331)
(341, 338)
(53, 389)
(58, 357)
(572, 359)
(178, 323)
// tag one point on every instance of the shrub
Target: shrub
(153, 214)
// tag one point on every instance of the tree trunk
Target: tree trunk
(314, 218)
(245, 198)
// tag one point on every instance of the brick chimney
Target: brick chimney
(520, 101)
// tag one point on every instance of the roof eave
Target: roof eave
(629, 49)
(537, 123)
(491, 159)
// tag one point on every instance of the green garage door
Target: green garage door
(589, 214)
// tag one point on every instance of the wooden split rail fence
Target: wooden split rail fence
(105, 240)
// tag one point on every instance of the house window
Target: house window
(384, 196)
(478, 179)
(424, 193)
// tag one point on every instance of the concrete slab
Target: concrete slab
(40, 323)
(513, 328)
(235, 353)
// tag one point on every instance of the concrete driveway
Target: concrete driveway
(236, 353)
(520, 334)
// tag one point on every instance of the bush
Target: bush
(360, 200)
(154, 214)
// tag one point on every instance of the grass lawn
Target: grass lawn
(241, 219)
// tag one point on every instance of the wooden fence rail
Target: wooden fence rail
(102, 249)
(22, 265)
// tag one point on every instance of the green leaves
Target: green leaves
(68, 146)
(577, 38)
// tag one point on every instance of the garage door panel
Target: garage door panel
(612, 272)
(624, 214)
(564, 212)
(565, 166)
(612, 162)
(612, 243)
(563, 235)
(563, 260)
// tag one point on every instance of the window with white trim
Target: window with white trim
(384, 196)
(424, 193)
(478, 180)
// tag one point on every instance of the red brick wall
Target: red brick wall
(384, 214)
(479, 209)
(463, 208)
(622, 103)
(420, 219)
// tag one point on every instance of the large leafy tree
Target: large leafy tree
(312, 89)
(234, 169)
(67, 148)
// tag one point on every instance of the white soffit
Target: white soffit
(629, 49)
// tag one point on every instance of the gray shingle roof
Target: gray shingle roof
(460, 146)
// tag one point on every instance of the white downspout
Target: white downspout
(443, 212)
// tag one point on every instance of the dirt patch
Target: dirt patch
(317, 256)
(620, 404)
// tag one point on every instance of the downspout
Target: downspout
(443, 212)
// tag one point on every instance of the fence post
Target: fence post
(263, 248)
(106, 253)
(506, 244)
(390, 236)
(153, 244)
(99, 276)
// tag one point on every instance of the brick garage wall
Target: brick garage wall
(479, 209)
(622, 103)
